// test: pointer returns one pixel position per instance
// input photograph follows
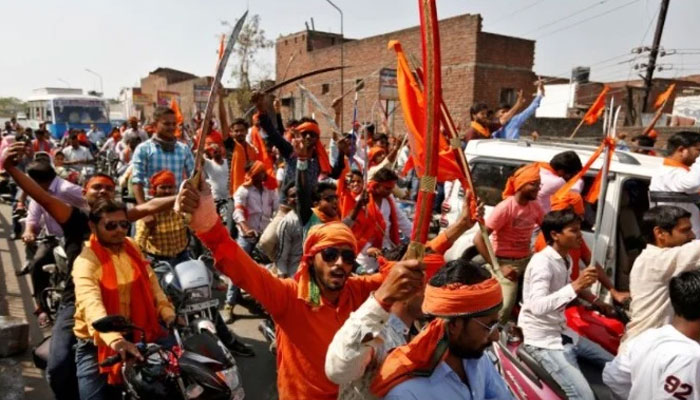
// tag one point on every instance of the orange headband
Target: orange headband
(458, 300)
(309, 127)
(568, 199)
(527, 174)
(99, 179)
(163, 177)
(256, 168)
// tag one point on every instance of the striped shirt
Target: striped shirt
(150, 158)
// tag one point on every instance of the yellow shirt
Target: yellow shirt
(87, 272)
(168, 238)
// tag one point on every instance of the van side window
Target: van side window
(634, 202)
(490, 180)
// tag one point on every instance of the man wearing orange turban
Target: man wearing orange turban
(308, 309)
(167, 238)
(464, 299)
(316, 165)
(511, 224)
(383, 321)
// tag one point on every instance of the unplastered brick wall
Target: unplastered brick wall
(476, 66)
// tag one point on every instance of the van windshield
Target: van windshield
(80, 111)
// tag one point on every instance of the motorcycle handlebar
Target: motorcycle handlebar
(111, 360)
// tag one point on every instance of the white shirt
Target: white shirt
(405, 227)
(217, 178)
(129, 133)
(649, 278)
(80, 154)
(360, 344)
(676, 179)
(254, 207)
(546, 292)
(552, 182)
(661, 363)
(95, 136)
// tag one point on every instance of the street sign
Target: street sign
(388, 88)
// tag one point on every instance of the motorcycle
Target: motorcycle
(58, 276)
(524, 375)
(195, 368)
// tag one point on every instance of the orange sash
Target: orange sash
(669, 162)
(242, 154)
(143, 311)
(480, 129)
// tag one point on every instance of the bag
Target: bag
(269, 241)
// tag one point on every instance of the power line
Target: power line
(588, 19)
(505, 17)
(558, 20)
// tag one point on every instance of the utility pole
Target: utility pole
(651, 66)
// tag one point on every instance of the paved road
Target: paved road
(258, 373)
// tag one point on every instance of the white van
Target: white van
(492, 161)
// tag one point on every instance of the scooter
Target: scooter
(195, 368)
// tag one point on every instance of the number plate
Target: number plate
(199, 306)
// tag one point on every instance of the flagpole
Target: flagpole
(577, 128)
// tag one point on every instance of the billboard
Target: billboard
(388, 88)
(165, 98)
(201, 93)
(141, 99)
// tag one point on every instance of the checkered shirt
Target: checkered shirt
(149, 158)
(167, 239)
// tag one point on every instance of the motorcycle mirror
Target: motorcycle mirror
(112, 323)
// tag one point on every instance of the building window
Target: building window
(325, 88)
(507, 96)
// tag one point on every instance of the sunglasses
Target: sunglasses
(496, 326)
(331, 254)
(112, 225)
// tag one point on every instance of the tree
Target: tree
(10, 106)
(250, 41)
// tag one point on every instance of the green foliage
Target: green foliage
(10, 106)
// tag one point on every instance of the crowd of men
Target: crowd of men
(353, 319)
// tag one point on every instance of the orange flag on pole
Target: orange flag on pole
(179, 119)
(597, 108)
(661, 99)
(412, 104)
(221, 46)
(264, 157)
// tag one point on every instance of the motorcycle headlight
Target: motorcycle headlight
(230, 376)
(198, 293)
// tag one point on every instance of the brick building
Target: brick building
(476, 66)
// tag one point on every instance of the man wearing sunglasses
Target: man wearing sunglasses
(308, 309)
(74, 222)
(446, 359)
(112, 277)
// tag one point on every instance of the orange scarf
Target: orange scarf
(320, 237)
(480, 129)
(242, 154)
(377, 214)
(346, 198)
(259, 144)
(143, 311)
(669, 162)
(323, 217)
(321, 154)
(446, 301)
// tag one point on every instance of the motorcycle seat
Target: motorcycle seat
(541, 373)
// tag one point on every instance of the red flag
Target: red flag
(413, 106)
(221, 46)
(661, 99)
(597, 108)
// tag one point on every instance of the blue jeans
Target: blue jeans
(563, 366)
(234, 291)
(60, 368)
(93, 385)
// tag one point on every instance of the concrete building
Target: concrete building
(162, 84)
(476, 66)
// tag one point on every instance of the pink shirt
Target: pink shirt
(550, 184)
(512, 225)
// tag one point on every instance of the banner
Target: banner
(165, 98)
(388, 86)
(201, 93)
(141, 99)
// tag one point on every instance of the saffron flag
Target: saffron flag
(413, 106)
(594, 191)
(179, 119)
(597, 108)
(663, 97)
(221, 46)
(264, 157)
